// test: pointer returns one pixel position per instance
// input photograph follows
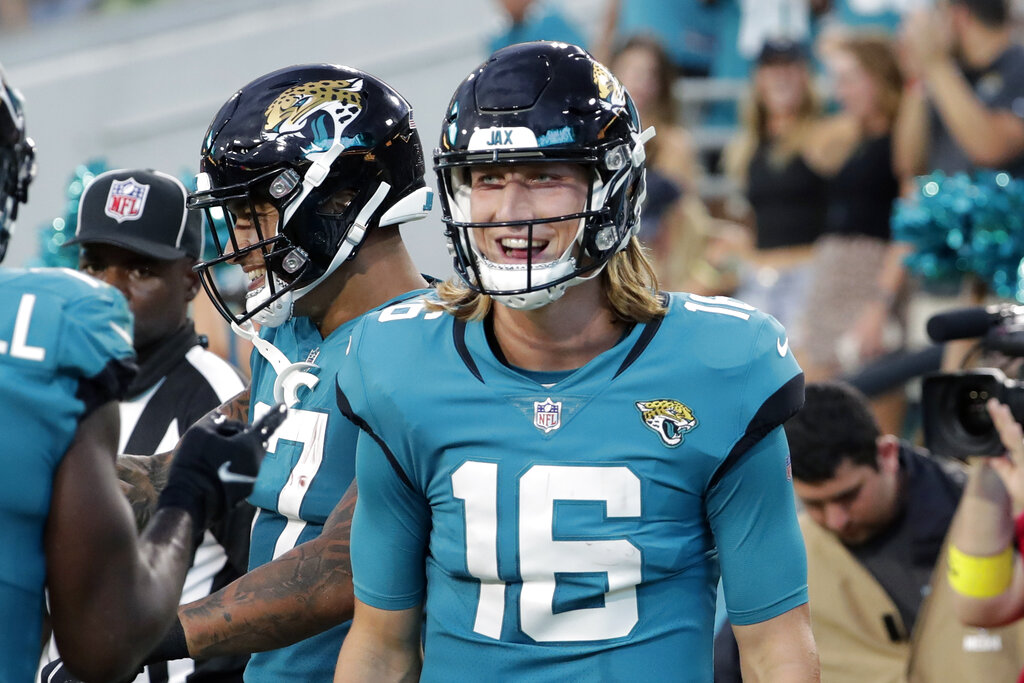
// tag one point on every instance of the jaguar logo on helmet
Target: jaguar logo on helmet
(340, 101)
(608, 87)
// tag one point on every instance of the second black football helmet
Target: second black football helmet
(298, 138)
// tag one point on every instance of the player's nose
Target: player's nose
(514, 204)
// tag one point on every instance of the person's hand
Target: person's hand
(927, 38)
(1009, 467)
(216, 465)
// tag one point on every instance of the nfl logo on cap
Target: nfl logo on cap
(126, 200)
(547, 415)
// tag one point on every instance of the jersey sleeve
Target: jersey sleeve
(752, 515)
(391, 526)
(96, 346)
(771, 392)
(390, 532)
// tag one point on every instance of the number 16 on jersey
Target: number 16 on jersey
(542, 558)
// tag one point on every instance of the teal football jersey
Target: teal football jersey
(573, 526)
(309, 465)
(65, 349)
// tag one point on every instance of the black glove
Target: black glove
(216, 465)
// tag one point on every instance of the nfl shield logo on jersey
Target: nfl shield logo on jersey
(126, 200)
(547, 415)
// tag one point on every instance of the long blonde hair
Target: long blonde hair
(628, 281)
(877, 56)
(754, 131)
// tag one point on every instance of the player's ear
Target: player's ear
(888, 453)
(191, 280)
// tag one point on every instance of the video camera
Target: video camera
(956, 422)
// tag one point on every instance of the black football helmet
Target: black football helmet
(17, 160)
(534, 103)
(296, 138)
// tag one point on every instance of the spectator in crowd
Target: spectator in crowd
(876, 512)
(675, 224)
(984, 571)
(882, 15)
(963, 110)
(67, 358)
(965, 99)
(137, 236)
(687, 30)
(770, 161)
(535, 20)
(853, 286)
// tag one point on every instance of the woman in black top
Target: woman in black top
(847, 316)
(769, 160)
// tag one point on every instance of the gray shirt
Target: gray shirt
(998, 86)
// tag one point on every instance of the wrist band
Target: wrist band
(980, 576)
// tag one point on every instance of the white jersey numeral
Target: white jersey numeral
(19, 347)
(722, 305)
(309, 428)
(406, 310)
(541, 557)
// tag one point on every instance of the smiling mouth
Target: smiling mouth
(520, 249)
(257, 279)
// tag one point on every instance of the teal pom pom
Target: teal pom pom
(963, 224)
(53, 252)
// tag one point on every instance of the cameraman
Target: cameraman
(983, 570)
(876, 513)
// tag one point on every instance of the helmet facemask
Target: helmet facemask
(536, 103)
(336, 213)
(601, 230)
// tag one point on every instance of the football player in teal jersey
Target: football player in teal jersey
(557, 463)
(313, 168)
(65, 360)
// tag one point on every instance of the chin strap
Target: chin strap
(290, 376)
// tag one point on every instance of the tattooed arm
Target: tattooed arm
(301, 593)
(143, 477)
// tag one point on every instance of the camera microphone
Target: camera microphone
(968, 323)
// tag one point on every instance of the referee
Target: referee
(137, 236)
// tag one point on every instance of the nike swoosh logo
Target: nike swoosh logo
(782, 346)
(229, 477)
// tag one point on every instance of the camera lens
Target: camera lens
(971, 413)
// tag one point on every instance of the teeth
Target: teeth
(520, 243)
(258, 272)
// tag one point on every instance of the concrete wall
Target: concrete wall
(139, 88)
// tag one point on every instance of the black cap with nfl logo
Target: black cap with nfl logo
(141, 210)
